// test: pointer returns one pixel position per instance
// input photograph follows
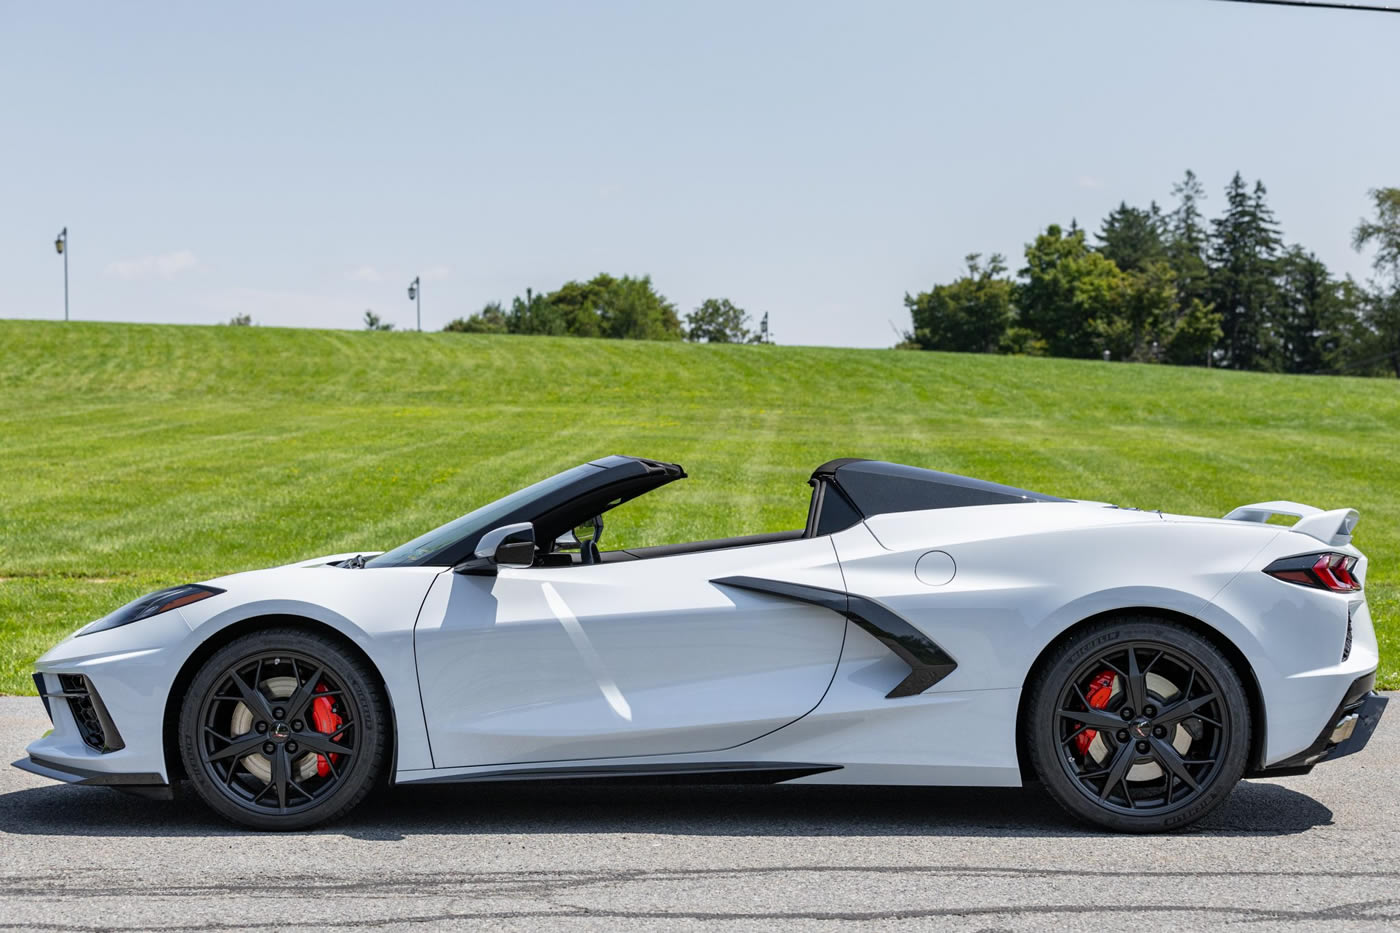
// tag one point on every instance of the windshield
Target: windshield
(475, 522)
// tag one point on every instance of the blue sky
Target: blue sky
(302, 162)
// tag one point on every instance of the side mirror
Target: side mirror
(508, 546)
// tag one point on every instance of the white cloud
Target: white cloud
(165, 266)
(1088, 181)
(366, 274)
(436, 273)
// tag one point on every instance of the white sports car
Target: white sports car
(923, 628)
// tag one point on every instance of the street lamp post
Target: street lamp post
(415, 294)
(60, 243)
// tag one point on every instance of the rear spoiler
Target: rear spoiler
(1334, 527)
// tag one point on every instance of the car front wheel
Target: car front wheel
(283, 729)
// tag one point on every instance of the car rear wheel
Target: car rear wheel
(283, 729)
(1138, 725)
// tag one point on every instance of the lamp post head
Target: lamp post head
(60, 240)
(412, 292)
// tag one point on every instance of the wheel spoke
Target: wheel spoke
(301, 699)
(1179, 711)
(1137, 683)
(1073, 734)
(237, 748)
(252, 696)
(280, 776)
(1122, 759)
(1095, 718)
(322, 744)
(299, 789)
(1168, 758)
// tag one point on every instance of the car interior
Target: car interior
(573, 536)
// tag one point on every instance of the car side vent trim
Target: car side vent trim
(928, 663)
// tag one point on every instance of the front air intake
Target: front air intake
(89, 714)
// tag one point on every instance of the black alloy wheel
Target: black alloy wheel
(283, 729)
(1138, 725)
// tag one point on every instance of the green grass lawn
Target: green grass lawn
(138, 456)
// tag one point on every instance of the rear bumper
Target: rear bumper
(1346, 733)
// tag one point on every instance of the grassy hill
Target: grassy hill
(137, 456)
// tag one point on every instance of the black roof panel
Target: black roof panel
(876, 487)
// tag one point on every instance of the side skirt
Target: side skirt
(743, 772)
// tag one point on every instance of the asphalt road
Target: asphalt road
(1322, 851)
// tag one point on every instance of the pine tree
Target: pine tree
(1197, 324)
(1244, 246)
(1381, 303)
(1311, 315)
(1133, 237)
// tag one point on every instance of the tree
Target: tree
(718, 320)
(1186, 245)
(372, 322)
(1195, 335)
(1244, 245)
(489, 320)
(626, 308)
(1381, 309)
(534, 314)
(1067, 287)
(1140, 323)
(1133, 237)
(1311, 317)
(969, 315)
(241, 320)
(1383, 233)
(581, 305)
(634, 310)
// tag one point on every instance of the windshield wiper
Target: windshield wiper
(354, 563)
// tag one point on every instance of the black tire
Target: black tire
(272, 766)
(1195, 739)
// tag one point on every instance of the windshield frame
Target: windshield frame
(468, 528)
(577, 487)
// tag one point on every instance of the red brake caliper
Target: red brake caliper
(1100, 692)
(327, 720)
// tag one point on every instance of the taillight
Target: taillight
(1325, 571)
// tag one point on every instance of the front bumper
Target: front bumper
(105, 694)
(84, 746)
(72, 774)
(1346, 733)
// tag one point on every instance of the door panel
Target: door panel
(643, 657)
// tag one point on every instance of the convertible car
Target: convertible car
(923, 628)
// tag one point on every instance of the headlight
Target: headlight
(152, 604)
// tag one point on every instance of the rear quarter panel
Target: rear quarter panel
(1027, 572)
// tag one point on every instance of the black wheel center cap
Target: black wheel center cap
(280, 732)
(1140, 728)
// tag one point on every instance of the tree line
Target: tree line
(623, 308)
(1171, 287)
(1154, 285)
